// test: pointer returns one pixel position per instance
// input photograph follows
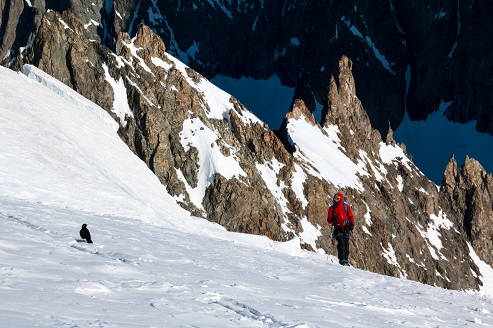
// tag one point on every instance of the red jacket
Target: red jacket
(342, 219)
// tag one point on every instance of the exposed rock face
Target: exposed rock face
(399, 199)
(221, 163)
(14, 35)
(469, 190)
(345, 110)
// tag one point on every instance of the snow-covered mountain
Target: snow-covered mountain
(63, 164)
(410, 59)
(219, 161)
(430, 142)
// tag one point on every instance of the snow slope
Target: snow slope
(151, 264)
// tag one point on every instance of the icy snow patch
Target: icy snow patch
(211, 161)
(389, 255)
(400, 183)
(310, 233)
(432, 234)
(133, 50)
(391, 153)
(120, 101)
(299, 177)
(323, 159)
(367, 217)
(371, 44)
(486, 270)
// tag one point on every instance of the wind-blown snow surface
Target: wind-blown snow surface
(151, 264)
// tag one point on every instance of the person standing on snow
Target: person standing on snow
(85, 234)
(341, 217)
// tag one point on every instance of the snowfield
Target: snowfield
(152, 264)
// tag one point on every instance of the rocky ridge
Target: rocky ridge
(415, 51)
(223, 164)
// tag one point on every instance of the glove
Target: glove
(351, 226)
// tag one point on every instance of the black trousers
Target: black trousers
(342, 237)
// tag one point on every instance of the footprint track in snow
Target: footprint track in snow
(250, 313)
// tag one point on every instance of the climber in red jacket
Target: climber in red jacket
(341, 217)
